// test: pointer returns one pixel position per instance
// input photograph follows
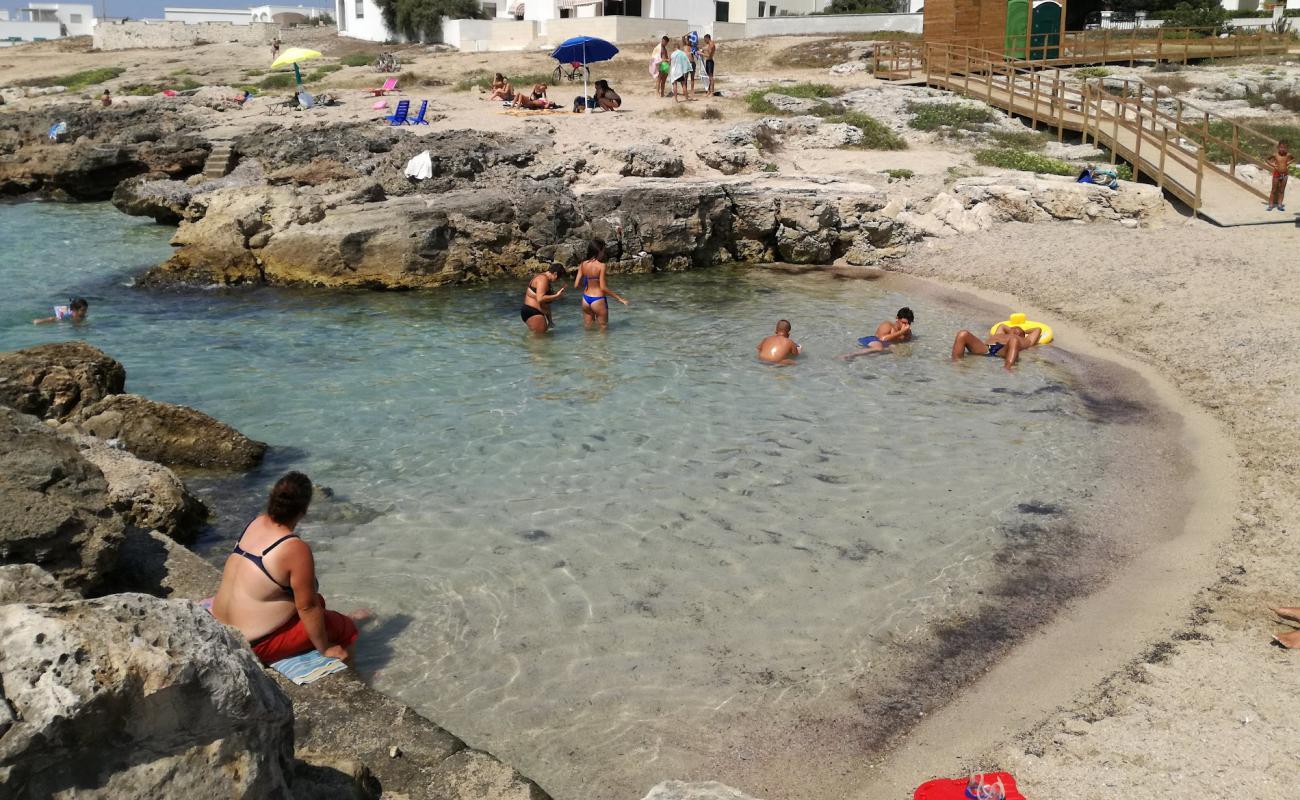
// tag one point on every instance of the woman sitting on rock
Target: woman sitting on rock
(268, 587)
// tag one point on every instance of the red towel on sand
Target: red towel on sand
(955, 788)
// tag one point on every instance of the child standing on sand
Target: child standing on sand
(1280, 162)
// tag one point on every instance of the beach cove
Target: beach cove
(1067, 617)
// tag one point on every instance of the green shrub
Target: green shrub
(1011, 158)
(253, 73)
(322, 71)
(358, 59)
(1198, 14)
(768, 166)
(875, 135)
(76, 80)
(952, 116)
(1021, 140)
(139, 89)
(277, 80)
(899, 174)
(1092, 72)
(757, 102)
(712, 112)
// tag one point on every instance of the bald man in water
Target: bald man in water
(779, 348)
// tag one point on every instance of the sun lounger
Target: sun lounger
(390, 85)
(419, 119)
(399, 114)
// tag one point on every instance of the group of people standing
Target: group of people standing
(590, 278)
(675, 71)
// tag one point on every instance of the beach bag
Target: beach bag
(981, 786)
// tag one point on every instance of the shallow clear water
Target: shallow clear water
(596, 555)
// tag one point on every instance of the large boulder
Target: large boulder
(177, 436)
(28, 583)
(134, 696)
(54, 506)
(149, 495)
(53, 381)
(651, 161)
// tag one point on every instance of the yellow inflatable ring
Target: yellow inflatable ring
(1019, 321)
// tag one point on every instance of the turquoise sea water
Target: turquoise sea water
(597, 555)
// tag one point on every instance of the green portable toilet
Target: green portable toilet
(1017, 22)
(1046, 33)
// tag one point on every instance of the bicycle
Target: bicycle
(387, 62)
(572, 71)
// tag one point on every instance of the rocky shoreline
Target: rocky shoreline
(106, 660)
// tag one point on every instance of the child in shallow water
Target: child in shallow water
(74, 311)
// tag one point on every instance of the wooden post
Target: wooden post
(1200, 170)
(1114, 131)
(1058, 103)
(1160, 43)
(1137, 144)
(1233, 168)
(1164, 148)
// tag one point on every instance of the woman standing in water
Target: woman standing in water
(536, 311)
(595, 293)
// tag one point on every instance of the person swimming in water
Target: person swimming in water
(887, 333)
(536, 311)
(779, 348)
(74, 311)
(595, 291)
(1005, 343)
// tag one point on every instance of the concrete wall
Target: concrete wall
(632, 31)
(833, 23)
(126, 35)
(726, 31)
(29, 31)
(232, 16)
(82, 25)
(474, 35)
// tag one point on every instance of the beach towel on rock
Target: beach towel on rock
(956, 788)
(421, 167)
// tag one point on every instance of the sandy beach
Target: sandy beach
(1160, 683)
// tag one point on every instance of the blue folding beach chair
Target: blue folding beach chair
(419, 119)
(399, 116)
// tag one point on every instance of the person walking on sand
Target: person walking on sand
(887, 333)
(275, 47)
(536, 311)
(779, 348)
(269, 589)
(707, 51)
(595, 291)
(1280, 162)
(1005, 343)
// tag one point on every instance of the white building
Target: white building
(39, 21)
(281, 15)
(362, 19)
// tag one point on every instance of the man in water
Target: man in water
(75, 311)
(779, 348)
(1005, 343)
(899, 330)
(536, 311)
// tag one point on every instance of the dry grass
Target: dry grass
(823, 53)
(1178, 84)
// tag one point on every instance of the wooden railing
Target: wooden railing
(1174, 142)
(1107, 45)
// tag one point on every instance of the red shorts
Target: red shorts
(291, 639)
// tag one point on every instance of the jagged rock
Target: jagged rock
(1028, 198)
(28, 583)
(313, 173)
(707, 790)
(149, 495)
(651, 161)
(849, 68)
(475, 775)
(54, 506)
(797, 105)
(134, 696)
(675, 222)
(838, 134)
(728, 160)
(142, 196)
(52, 381)
(169, 434)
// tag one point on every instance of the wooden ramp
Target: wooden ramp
(1189, 152)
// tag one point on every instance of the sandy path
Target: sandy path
(1208, 708)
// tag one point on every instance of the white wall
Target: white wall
(231, 15)
(84, 25)
(833, 23)
(30, 31)
(474, 35)
(370, 27)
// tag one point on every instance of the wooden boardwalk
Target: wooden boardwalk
(1189, 152)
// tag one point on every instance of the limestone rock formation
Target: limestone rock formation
(651, 161)
(28, 583)
(53, 381)
(704, 790)
(54, 507)
(148, 495)
(169, 434)
(133, 696)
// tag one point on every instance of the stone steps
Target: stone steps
(220, 160)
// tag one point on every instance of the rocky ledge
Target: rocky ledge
(114, 683)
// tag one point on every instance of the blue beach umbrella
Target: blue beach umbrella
(584, 50)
